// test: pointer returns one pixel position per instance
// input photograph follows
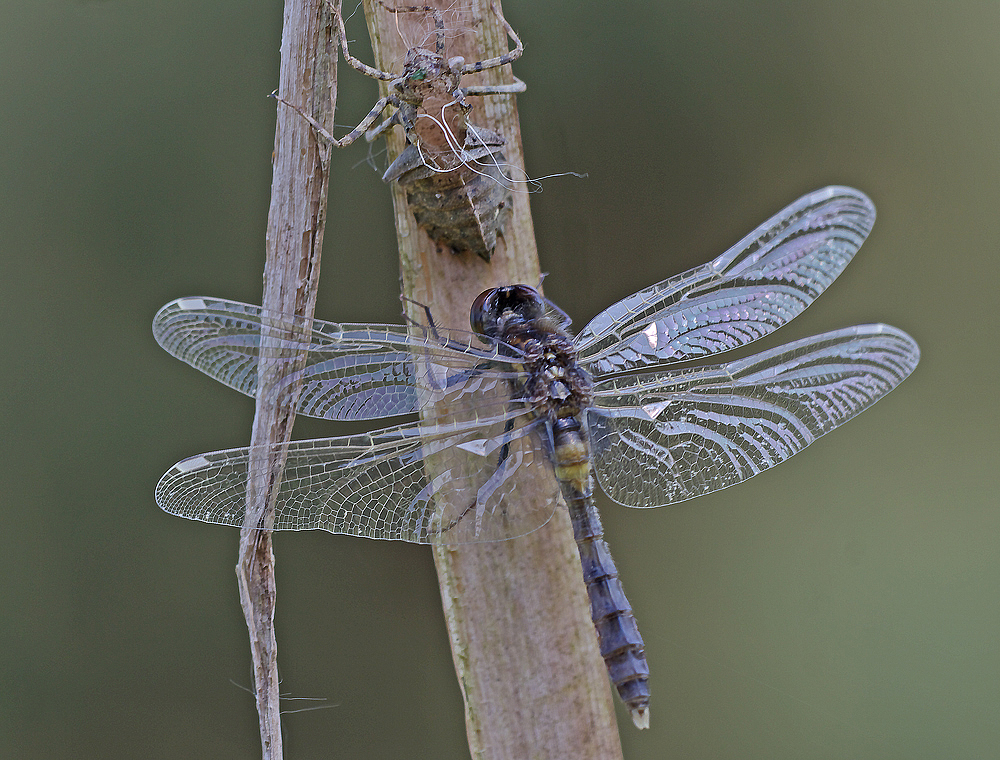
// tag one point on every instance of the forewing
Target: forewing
(377, 486)
(752, 289)
(339, 371)
(667, 436)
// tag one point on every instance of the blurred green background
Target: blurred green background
(841, 606)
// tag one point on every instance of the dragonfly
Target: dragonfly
(516, 396)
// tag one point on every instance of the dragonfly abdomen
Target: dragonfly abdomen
(618, 636)
(571, 455)
(562, 391)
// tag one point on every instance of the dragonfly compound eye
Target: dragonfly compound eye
(483, 315)
(498, 306)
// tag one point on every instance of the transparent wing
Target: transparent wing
(663, 437)
(377, 486)
(752, 289)
(349, 371)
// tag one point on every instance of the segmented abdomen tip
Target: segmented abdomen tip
(640, 716)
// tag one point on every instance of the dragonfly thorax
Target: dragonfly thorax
(554, 382)
(556, 385)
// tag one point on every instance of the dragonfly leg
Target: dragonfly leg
(496, 478)
(427, 315)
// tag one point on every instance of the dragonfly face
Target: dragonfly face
(515, 397)
(495, 309)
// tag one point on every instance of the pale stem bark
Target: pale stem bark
(517, 611)
(295, 227)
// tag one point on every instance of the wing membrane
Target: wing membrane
(752, 289)
(668, 436)
(349, 372)
(377, 486)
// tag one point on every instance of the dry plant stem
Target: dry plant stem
(294, 239)
(517, 611)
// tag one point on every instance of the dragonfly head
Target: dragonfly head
(494, 310)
